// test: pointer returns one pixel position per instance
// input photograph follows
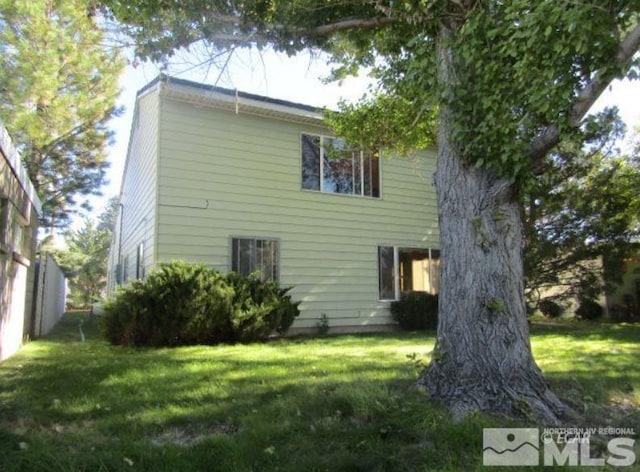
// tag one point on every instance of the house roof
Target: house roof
(234, 100)
(12, 156)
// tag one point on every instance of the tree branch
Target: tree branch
(598, 84)
(353, 23)
(550, 136)
(268, 30)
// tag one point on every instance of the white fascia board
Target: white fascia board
(241, 103)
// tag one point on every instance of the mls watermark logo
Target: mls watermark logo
(556, 447)
(510, 446)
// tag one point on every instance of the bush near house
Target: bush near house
(416, 311)
(183, 304)
(589, 309)
(550, 308)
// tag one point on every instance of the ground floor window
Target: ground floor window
(140, 262)
(125, 269)
(257, 257)
(407, 270)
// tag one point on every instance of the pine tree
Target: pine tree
(58, 89)
(85, 262)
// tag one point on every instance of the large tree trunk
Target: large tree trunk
(482, 360)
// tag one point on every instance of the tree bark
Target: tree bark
(482, 359)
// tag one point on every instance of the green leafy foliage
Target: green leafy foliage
(416, 311)
(382, 122)
(84, 259)
(160, 28)
(499, 102)
(323, 325)
(550, 308)
(586, 207)
(259, 308)
(589, 309)
(85, 262)
(182, 304)
(59, 85)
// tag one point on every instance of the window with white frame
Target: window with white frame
(257, 257)
(331, 165)
(407, 270)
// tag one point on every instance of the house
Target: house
(623, 300)
(19, 210)
(257, 185)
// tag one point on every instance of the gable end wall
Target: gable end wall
(223, 174)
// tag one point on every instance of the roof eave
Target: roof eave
(238, 102)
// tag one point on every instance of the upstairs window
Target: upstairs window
(330, 165)
(257, 257)
(403, 270)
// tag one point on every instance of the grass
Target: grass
(336, 403)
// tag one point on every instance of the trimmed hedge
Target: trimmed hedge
(181, 304)
(416, 311)
(589, 310)
(550, 308)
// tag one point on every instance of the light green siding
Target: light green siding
(224, 174)
(136, 220)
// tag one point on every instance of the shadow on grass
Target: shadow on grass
(595, 371)
(583, 329)
(332, 403)
(328, 404)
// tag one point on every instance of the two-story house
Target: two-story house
(252, 184)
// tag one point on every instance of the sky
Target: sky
(276, 75)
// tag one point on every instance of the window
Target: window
(140, 262)
(330, 165)
(125, 270)
(118, 273)
(407, 270)
(255, 257)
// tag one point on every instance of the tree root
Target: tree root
(528, 397)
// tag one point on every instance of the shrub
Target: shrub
(259, 308)
(589, 310)
(182, 303)
(550, 308)
(416, 311)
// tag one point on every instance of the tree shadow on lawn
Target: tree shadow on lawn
(585, 330)
(602, 387)
(335, 403)
(260, 407)
(593, 366)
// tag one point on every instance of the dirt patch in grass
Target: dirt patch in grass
(187, 436)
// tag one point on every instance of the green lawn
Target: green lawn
(302, 404)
